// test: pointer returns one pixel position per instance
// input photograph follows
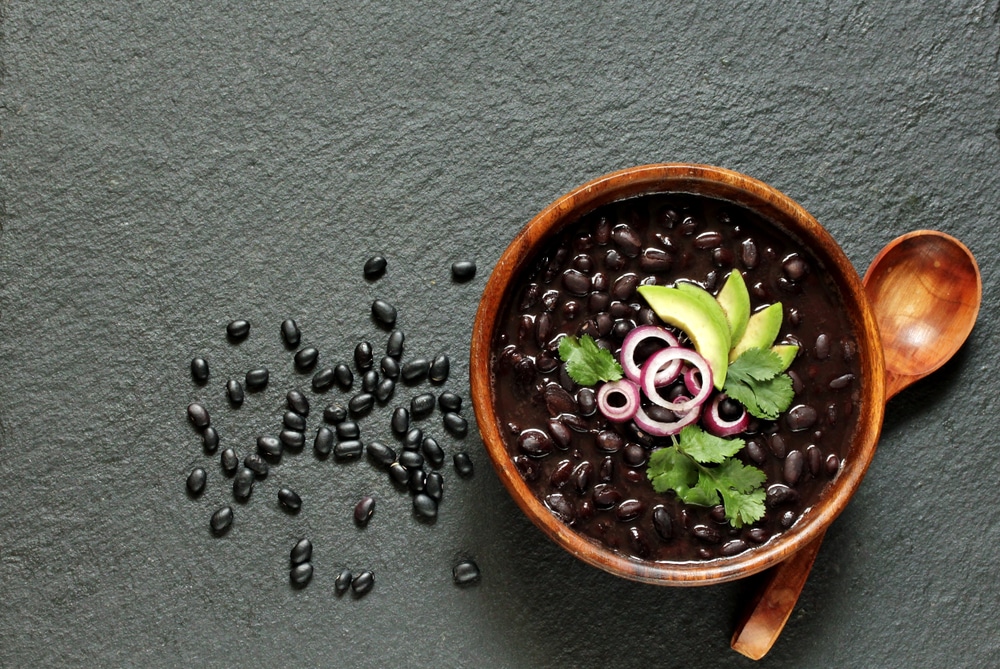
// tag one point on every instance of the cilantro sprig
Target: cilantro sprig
(586, 363)
(701, 469)
(756, 380)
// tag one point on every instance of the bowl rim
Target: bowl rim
(776, 206)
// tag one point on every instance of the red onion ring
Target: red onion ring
(692, 381)
(629, 390)
(631, 342)
(648, 377)
(715, 424)
(657, 428)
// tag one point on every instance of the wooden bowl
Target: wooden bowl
(772, 205)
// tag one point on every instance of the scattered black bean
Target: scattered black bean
(417, 480)
(361, 404)
(384, 390)
(269, 446)
(384, 313)
(323, 443)
(301, 574)
(424, 505)
(289, 499)
(343, 581)
(439, 369)
(323, 380)
(301, 552)
(432, 451)
(351, 448)
(422, 405)
(238, 330)
(198, 415)
(209, 439)
(434, 485)
(369, 381)
(399, 473)
(363, 583)
(465, 572)
(243, 484)
(348, 429)
(415, 371)
(364, 509)
(234, 391)
(381, 453)
(400, 421)
(414, 436)
(334, 414)
(449, 401)
(344, 377)
(305, 359)
(290, 333)
(463, 270)
(255, 463)
(297, 402)
(455, 424)
(256, 379)
(463, 464)
(389, 367)
(375, 267)
(221, 520)
(229, 461)
(294, 421)
(292, 439)
(394, 346)
(364, 358)
(199, 371)
(411, 459)
(196, 481)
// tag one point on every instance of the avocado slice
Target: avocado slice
(762, 330)
(786, 353)
(735, 301)
(695, 311)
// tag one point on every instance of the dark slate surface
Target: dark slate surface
(169, 166)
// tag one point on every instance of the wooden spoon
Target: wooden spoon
(925, 290)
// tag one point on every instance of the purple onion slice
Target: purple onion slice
(636, 337)
(665, 358)
(618, 400)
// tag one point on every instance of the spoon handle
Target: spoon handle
(766, 615)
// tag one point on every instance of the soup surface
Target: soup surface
(591, 472)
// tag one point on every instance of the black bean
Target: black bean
(199, 370)
(384, 313)
(209, 439)
(707, 240)
(297, 402)
(416, 481)
(609, 442)
(613, 260)
(290, 333)
(198, 415)
(289, 499)
(463, 270)
(561, 435)
(755, 451)
(576, 282)
(777, 446)
(381, 453)
(363, 583)
(561, 507)
(344, 377)
(399, 473)
(626, 239)
(400, 421)
(221, 520)
(831, 464)
(662, 523)
(605, 496)
(229, 461)
(243, 484)
(718, 513)
(292, 439)
(624, 286)
(422, 405)
(455, 424)
(607, 470)
(375, 267)
(535, 443)
(449, 401)
(369, 381)
(414, 371)
(558, 400)
(787, 519)
(384, 390)
(334, 414)
(234, 391)
(238, 330)
(413, 438)
(706, 533)
(434, 486)
(301, 552)
(196, 481)
(411, 459)
(546, 363)
(301, 574)
(305, 359)
(352, 448)
(255, 463)
(425, 506)
(323, 443)
(793, 467)
(389, 367)
(602, 231)
(463, 464)
(629, 509)
(794, 267)
(560, 476)
(343, 581)
(598, 302)
(294, 421)
(256, 379)
(733, 547)
(758, 535)
(778, 493)
(364, 509)
(439, 369)
(841, 382)
(822, 347)
(394, 345)
(634, 455)
(465, 573)
(364, 357)
(814, 459)
(586, 400)
(323, 380)
(801, 417)
(269, 446)
(348, 429)
(361, 403)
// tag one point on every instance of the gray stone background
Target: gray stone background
(168, 166)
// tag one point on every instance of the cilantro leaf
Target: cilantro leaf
(586, 363)
(701, 470)
(755, 380)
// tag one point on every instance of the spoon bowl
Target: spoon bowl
(925, 291)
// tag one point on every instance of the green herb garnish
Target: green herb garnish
(756, 381)
(701, 469)
(586, 363)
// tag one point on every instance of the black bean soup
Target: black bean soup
(591, 473)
